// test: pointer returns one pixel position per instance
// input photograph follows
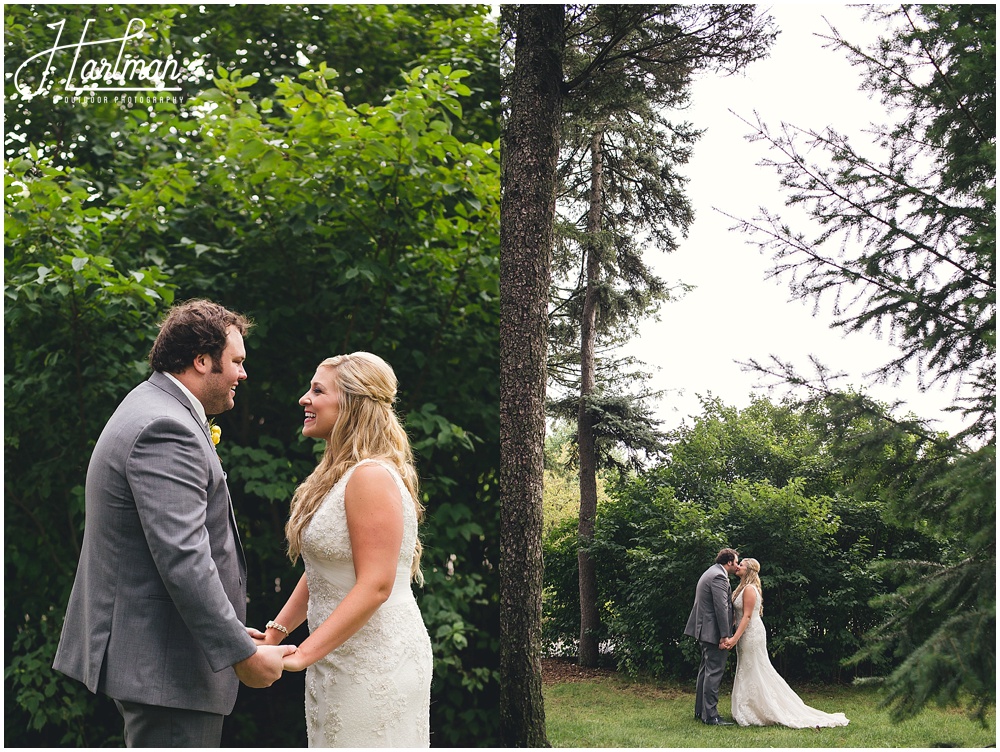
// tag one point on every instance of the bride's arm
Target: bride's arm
(291, 615)
(375, 523)
(749, 602)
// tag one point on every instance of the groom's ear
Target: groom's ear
(202, 363)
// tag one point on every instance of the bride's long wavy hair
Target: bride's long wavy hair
(751, 577)
(366, 427)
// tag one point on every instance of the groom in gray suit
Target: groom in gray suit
(711, 623)
(156, 616)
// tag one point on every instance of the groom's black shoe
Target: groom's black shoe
(718, 722)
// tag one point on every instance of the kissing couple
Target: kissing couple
(760, 696)
(156, 618)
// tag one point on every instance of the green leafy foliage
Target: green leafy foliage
(77, 329)
(765, 481)
(341, 212)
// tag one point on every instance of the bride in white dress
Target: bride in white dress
(760, 696)
(354, 521)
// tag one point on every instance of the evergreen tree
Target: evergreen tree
(907, 247)
(620, 180)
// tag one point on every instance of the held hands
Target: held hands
(263, 668)
(291, 661)
(727, 643)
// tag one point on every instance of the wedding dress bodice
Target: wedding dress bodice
(760, 696)
(754, 639)
(374, 690)
(326, 550)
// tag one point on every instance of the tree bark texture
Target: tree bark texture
(589, 615)
(528, 178)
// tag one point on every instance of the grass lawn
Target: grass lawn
(612, 711)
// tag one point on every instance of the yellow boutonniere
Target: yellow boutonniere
(216, 433)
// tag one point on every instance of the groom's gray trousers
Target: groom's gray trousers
(713, 666)
(154, 726)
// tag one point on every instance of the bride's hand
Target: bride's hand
(294, 662)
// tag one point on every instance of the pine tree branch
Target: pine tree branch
(786, 373)
(786, 147)
(944, 79)
(850, 275)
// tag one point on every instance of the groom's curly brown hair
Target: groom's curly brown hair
(195, 327)
(726, 556)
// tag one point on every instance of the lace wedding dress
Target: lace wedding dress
(760, 696)
(374, 690)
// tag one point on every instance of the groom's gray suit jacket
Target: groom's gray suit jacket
(157, 609)
(711, 618)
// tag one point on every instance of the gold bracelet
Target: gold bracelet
(274, 625)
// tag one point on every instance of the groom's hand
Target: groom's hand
(263, 668)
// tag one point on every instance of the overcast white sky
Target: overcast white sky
(734, 314)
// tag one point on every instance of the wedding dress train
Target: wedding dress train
(760, 696)
(374, 690)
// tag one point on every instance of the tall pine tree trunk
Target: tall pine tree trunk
(529, 159)
(589, 615)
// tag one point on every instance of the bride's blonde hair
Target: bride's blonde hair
(366, 427)
(751, 577)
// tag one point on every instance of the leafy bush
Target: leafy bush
(731, 480)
